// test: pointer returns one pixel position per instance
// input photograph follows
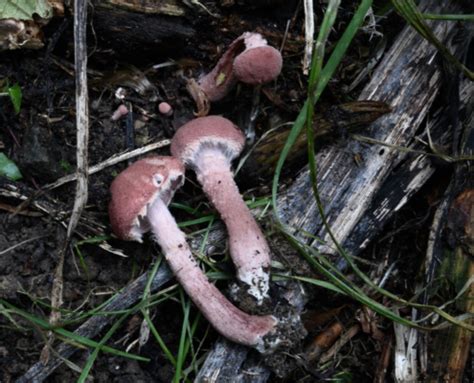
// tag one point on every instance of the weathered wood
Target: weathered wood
(233, 362)
(355, 196)
(129, 29)
(407, 79)
(449, 258)
(329, 123)
(161, 7)
(412, 173)
(450, 348)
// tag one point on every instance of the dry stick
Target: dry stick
(82, 122)
(323, 341)
(384, 360)
(343, 340)
(113, 160)
(89, 329)
(82, 111)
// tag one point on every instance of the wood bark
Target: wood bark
(449, 260)
(407, 79)
(148, 29)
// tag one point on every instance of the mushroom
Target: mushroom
(208, 145)
(248, 59)
(121, 111)
(140, 195)
(221, 79)
(165, 109)
(259, 63)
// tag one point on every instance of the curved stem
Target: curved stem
(227, 319)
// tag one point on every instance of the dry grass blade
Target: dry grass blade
(82, 126)
(82, 112)
(115, 159)
(308, 35)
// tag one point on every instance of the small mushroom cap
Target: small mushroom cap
(207, 132)
(258, 65)
(165, 108)
(137, 186)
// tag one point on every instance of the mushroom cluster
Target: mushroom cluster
(139, 203)
(208, 145)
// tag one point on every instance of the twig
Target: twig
(384, 360)
(82, 112)
(82, 126)
(115, 159)
(346, 337)
(323, 341)
(406, 356)
(13, 247)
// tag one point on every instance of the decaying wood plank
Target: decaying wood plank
(449, 260)
(411, 174)
(125, 28)
(450, 348)
(163, 7)
(231, 360)
(329, 122)
(408, 79)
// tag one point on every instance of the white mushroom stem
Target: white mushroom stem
(228, 320)
(248, 248)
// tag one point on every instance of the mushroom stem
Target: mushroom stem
(228, 320)
(254, 112)
(248, 247)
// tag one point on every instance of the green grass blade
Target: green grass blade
(326, 73)
(92, 357)
(344, 287)
(312, 281)
(433, 16)
(74, 338)
(408, 10)
(15, 96)
(182, 341)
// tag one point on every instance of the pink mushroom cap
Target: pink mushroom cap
(258, 65)
(165, 108)
(136, 187)
(209, 131)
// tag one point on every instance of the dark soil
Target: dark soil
(41, 141)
